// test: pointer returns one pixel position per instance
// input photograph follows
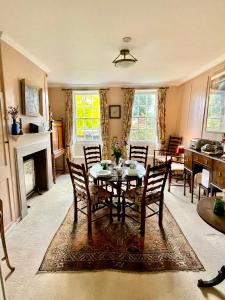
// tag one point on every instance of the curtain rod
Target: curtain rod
(145, 88)
(83, 89)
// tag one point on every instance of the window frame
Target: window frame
(146, 141)
(75, 140)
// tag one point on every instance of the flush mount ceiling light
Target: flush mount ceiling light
(124, 59)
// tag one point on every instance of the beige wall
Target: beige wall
(14, 68)
(193, 96)
(115, 96)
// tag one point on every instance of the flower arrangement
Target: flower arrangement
(16, 127)
(118, 149)
(13, 111)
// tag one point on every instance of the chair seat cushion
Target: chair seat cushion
(135, 195)
(177, 167)
(98, 194)
(163, 158)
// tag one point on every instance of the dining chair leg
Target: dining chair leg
(160, 212)
(6, 257)
(75, 209)
(110, 210)
(143, 213)
(89, 220)
(123, 210)
(170, 179)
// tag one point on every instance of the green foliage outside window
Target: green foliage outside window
(87, 116)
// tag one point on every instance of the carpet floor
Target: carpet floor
(120, 247)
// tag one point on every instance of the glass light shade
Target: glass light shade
(124, 63)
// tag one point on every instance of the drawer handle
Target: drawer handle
(220, 174)
(206, 161)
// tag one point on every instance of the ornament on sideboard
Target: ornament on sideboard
(21, 127)
(15, 127)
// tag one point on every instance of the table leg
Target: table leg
(119, 184)
(210, 283)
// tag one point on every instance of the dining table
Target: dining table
(118, 179)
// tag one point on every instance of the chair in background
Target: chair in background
(92, 155)
(150, 197)
(176, 172)
(139, 153)
(161, 156)
(94, 196)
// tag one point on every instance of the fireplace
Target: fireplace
(35, 174)
(33, 170)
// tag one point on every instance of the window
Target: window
(87, 116)
(143, 126)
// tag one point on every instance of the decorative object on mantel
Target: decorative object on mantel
(21, 126)
(31, 99)
(125, 58)
(120, 247)
(114, 111)
(36, 128)
(14, 111)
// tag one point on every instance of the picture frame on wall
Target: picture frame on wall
(114, 111)
(31, 99)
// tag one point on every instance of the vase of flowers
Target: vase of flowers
(13, 111)
(118, 150)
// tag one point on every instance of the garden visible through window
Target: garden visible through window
(87, 116)
(143, 126)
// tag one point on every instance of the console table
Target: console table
(205, 211)
(195, 161)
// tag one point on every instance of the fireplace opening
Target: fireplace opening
(35, 175)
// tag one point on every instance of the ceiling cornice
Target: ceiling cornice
(218, 61)
(7, 39)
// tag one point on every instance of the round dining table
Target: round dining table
(116, 181)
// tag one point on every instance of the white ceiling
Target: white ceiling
(77, 40)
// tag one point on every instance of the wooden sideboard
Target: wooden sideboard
(57, 145)
(195, 161)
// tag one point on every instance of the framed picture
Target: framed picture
(114, 111)
(31, 99)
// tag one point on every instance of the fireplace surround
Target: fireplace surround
(42, 153)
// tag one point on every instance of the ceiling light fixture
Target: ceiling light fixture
(124, 59)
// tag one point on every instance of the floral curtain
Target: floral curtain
(127, 116)
(69, 125)
(104, 123)
(161, 119)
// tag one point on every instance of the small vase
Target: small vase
(117, 160)
(15, 129)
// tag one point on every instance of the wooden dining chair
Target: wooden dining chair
(161, 156)
(93, 196)
(149, 198)
(139, 153)
(6, 257)
(92, 155)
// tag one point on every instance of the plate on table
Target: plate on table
(130, 162)
(107, 161)
(104, 173)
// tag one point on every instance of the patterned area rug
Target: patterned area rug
(120, 247)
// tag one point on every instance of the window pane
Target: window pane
(87, 117)
(142, 111)
(143, 126)
(134, 123)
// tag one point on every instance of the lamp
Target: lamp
(124, 59)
